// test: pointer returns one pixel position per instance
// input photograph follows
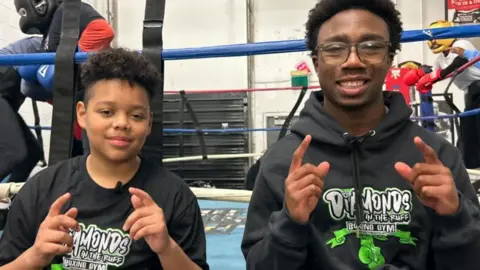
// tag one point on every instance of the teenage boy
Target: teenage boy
(111, 208)
(357, 185)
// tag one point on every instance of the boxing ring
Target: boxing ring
(224, 210)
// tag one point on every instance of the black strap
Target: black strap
(446, 95)
(196, 124)
(286, 124)
(61, 141)
(152, 50)
(38, 131)
(452, 105)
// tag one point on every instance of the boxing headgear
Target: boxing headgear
(409, 65)
(440, 45)
(36, 15)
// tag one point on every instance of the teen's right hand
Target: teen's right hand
(53, 234)
(304, 184)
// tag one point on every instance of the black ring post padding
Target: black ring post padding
(196, 124)
(38, 131)
(286, 124)
(152, 50)
(181, 140)
(61, 141)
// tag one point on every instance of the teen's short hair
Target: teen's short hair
(326, 9)
(123, 64)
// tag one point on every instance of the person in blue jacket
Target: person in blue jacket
(357, 184)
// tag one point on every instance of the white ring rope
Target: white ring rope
(219, 156)
(473, 172)
(7, 190)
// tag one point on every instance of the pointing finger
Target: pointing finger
(142, 195)
(299, 153)
(405, 171)
(56, 207)
(322, 169)
(72, 213)
(428, 153)
(136, 202)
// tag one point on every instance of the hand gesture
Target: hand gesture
(431, 181)
(53, 236)
(147, 221)
(304, 184)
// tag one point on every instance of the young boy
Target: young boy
(111, 209)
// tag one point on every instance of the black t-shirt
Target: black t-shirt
(52, 40)
(102, 213)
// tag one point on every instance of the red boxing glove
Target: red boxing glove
(413, 76)
(424, 89)
(426, 82)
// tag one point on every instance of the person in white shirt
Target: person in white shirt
(448, 60)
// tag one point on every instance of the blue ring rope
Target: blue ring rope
(259, 48)
(243, 130)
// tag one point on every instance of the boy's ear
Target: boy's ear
(81, 112)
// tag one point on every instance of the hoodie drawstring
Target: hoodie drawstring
(355, 143)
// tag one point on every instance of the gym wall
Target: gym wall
(220, 22)
(9, 30)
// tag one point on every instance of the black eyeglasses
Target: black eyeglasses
(369, 52)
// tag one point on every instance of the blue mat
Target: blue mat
(224, 223)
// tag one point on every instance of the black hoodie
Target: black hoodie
(397, 230)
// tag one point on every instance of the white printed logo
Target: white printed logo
(94, 248)
(382, 210)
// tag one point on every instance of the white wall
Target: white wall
(192, 24)
(277, 20)
(9, 30)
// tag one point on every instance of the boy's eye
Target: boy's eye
(138, 116)
(106, 112)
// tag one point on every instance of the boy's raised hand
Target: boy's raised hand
(147, 222)
(431, 181)
(304, 184)
(53, 236)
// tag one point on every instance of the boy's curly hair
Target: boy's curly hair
(123, 64)
(326, 9)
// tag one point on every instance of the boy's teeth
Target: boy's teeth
(352, 84)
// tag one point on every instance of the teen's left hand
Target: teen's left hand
(431, 181)
(147, 221)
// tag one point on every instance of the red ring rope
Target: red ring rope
(213, 91)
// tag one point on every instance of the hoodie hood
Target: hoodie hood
(323, 128)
